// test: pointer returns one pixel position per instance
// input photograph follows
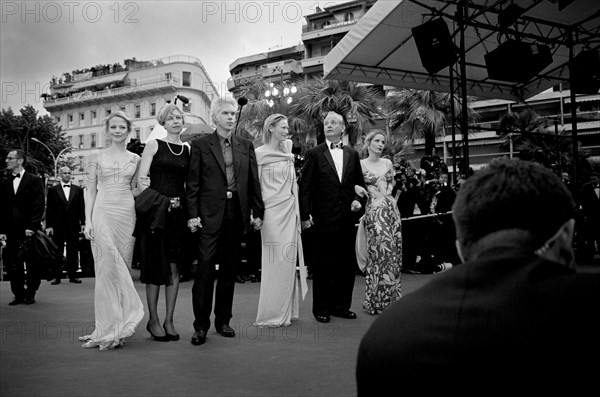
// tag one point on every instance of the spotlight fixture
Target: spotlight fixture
(517, 61)
(585, 72)
(435, 45)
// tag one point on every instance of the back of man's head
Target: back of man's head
(511, 194)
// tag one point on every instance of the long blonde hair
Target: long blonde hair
(369, 138)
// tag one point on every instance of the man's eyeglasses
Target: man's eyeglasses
(12, 158)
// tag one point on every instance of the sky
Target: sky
(41, 39)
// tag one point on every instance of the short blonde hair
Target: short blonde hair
(269, 122)
(165, 111)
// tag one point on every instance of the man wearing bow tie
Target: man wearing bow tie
(65, 219)
(329, 202)
(21, 211)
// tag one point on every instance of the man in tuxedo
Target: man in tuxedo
(65, 218)
(21, 211)
(223, 199)
(515, 316)
(328, 201)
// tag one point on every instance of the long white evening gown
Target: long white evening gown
(117, 306)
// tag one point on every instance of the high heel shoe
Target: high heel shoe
(172, 337)
(164, 338)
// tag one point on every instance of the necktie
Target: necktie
(339, 145)
(69, 186)
(18, 175)
(226, 142)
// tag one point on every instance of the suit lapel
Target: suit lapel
(72, 192)
(24, 181)
(345, 162)
(61, 193)
(329, 158)
(215, 147)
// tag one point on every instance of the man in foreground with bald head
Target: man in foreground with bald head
(514, 317)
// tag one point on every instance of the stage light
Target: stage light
(435, 45)
(585, 72)
(517, 61)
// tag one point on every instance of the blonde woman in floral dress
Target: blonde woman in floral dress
(382, 228)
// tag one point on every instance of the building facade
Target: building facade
(323, 30)
(80, 101)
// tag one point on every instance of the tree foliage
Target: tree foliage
(532, 140)
(416, 114)
(17, 132)
(359, 104)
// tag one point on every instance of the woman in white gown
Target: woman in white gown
(110, 219)
(281, 243)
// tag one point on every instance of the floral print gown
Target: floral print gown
(384, 242)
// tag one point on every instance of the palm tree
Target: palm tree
(528, 132)
(359, 104)
(417, 114)
(257, 110)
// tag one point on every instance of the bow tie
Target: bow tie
(337, 145)
(16, 176)
(67, 186)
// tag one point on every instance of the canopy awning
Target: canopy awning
(99, 81)
(380, 48)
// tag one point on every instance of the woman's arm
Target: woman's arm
(143, 181)
(91, 176)
(135, 186)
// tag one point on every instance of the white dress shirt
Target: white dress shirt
(66, 189)
(17, 181)
(338, 158)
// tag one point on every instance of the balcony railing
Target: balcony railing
(113, 92)
(138, 65)
(308, 28)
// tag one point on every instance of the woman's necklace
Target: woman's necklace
(171, 150)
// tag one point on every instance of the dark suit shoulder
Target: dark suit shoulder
(317, 149)
(27, 174)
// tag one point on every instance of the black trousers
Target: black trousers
(223, 248)
(334, 270)
(15, 268)
(61, 238)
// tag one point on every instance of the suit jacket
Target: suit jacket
(590, 204)
(23, 209)
(206, 185)
(322, 195)
(65, 214)
(508, 320)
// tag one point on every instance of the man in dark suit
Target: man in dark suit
(21, 211)
(223, 193)
(515, 317)
(329, 202)
(65, 218)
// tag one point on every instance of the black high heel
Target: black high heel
(171, 337)
(155, 337)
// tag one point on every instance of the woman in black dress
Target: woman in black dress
(161, 218)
